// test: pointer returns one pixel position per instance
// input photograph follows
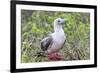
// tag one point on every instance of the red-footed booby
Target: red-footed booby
(55, 41)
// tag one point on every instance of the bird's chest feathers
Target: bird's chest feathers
(59, 37)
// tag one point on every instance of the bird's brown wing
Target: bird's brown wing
(46, 42)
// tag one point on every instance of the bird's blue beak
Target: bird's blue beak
(62, 21)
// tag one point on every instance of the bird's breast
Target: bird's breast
(58, 41)
(59, 38)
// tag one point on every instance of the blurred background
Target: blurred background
(35, 25)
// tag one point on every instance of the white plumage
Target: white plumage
(55, 41)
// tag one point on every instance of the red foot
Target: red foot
(55, 57)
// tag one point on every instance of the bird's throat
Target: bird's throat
(57, 28)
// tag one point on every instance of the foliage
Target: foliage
(38, 24)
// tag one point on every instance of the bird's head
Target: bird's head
(59, 21)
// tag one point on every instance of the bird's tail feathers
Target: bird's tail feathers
(41, 53)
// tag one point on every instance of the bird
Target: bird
(51, 44)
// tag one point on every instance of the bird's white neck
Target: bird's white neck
(57, 28)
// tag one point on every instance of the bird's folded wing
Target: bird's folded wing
(46, 43)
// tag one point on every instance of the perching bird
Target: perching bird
(55, 41)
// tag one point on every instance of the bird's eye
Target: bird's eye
(58, 20)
